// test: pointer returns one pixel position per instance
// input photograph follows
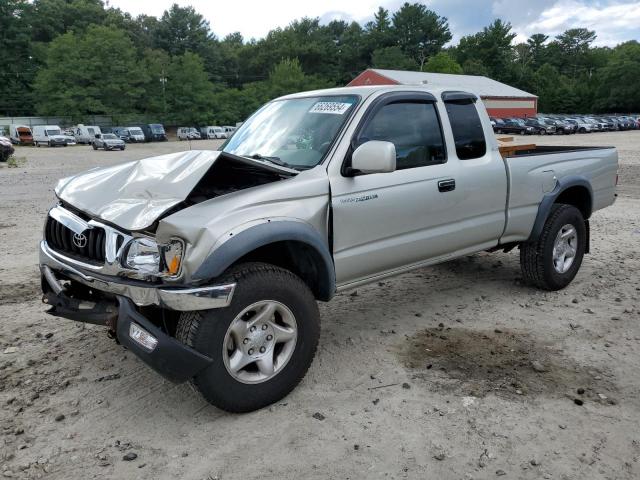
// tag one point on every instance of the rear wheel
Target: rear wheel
(543, 132)
(553, 261)
(261, 345)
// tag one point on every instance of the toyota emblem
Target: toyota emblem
(80, 240)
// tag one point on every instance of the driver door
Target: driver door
(381, 221)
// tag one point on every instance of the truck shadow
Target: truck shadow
(505, 362)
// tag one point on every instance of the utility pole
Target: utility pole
(163, 81)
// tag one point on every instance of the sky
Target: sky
(614, 21)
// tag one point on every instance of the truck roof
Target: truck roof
(366, 91)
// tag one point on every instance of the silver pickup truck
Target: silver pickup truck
(208, 264)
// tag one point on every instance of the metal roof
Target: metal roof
(483, 86)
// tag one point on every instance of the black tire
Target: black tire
(95, 147)
(536, 258)
(543, 131)
(205, 332)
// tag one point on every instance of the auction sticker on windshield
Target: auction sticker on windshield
(335, 108)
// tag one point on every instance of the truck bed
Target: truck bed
(537, 172)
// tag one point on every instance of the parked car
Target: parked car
(215, 132)
(84, 134)
(229, 130)
(51, 135)
(129, 134)
(541, 126)
(596, 125)
(563, 127)
(513, 126)
(20, 134)
(614, 123)
(108, 141)
(626, 123)
(581, 125)
(6, 148)
(608, 124)
(188, 133)
(153, 132)
(210, 267)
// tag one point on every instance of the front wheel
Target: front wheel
(261, 345)
(553, 261)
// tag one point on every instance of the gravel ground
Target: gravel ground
(451, 372)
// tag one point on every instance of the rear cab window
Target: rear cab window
(466, 126)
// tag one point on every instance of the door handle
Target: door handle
(447, 185)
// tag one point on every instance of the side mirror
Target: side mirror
(374, 157)
(97, 135)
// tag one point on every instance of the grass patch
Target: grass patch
(15, 162)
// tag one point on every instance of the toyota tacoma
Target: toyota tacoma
(208, 265)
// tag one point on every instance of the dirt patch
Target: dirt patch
(19, 292)
(505, 362)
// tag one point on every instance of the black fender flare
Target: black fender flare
(548, 200)
(257, 236)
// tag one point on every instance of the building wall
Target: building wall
(511, 107)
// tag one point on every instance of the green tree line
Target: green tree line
(82, 58)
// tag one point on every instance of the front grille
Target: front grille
(60, 238)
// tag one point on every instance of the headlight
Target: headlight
(149, 258)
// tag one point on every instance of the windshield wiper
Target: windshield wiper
(274, 160)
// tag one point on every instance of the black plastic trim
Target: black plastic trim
(457, 96)
(263, 234)
(549, 199)
(170, 358)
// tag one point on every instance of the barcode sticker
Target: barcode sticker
(334, 108)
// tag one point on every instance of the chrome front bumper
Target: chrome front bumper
(174, 298)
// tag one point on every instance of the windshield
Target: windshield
(109, 136)
(135, 131)
(156, 128)
(297, 132)
(53, 131)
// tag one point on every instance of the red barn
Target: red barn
(501, 100)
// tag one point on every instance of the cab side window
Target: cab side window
(414, 129)
(467, 129)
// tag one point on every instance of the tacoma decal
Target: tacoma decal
(362, 198)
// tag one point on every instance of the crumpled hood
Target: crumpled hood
(133, 195)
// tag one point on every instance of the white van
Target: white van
(188, 133)
(20, 134)
(50, 135)
(86, 133)
(216, 132)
